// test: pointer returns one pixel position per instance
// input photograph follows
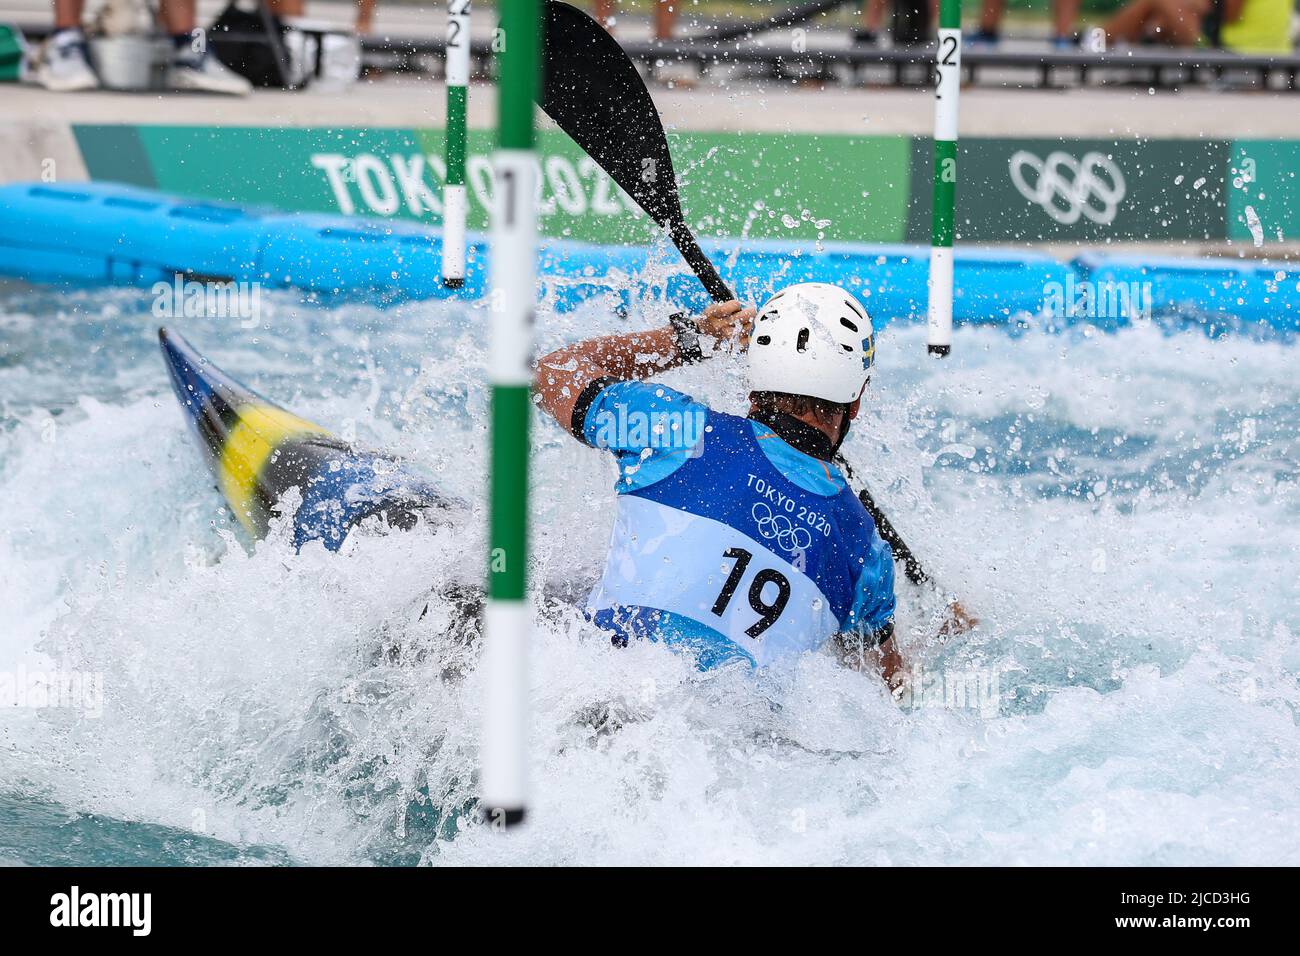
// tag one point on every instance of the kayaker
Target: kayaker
(736, 538)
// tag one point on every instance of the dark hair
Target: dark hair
(798, 405)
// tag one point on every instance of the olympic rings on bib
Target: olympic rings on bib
(779, 528)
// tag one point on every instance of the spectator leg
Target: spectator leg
(1065, 14)
(991, 13)
(177, 16)
(288, 8)
(665, 19)
(1179, 22)
(67, 14)
(365, 16)
(1176, 22)
(873, 15)
(1130, 21)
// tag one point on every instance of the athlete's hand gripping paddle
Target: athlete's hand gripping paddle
(593, 92)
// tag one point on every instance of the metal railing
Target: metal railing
(905, 66)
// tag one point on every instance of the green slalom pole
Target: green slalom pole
(455, 202)
(507, 621)
(946, 92)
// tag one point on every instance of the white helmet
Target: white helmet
(812, 339)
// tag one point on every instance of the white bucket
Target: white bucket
(126, 62)
(322, 55)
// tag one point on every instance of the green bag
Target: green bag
(13, 54)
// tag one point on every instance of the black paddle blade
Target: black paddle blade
(594, 93)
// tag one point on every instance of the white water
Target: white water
(1122, 512)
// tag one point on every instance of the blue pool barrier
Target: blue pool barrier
(105, 233)
(1219, 294)
(992, 286)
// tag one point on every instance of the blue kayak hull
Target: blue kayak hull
(258, 451)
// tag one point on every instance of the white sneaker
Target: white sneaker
(204, 73)
(64, 65)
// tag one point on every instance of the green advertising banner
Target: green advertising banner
(1081, 190)
(1264, 191)
(757, 186)
(749, 185)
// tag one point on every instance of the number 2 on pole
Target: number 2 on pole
(454, 30)
(948, 50)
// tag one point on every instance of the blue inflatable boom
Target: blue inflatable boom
(109, 234)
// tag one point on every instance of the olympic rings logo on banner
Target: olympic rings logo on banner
(1092, 187)
(780, 529)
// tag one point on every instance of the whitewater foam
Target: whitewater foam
(1120, 509)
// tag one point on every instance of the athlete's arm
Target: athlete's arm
(957, 621)
(881, 658)
(890, 664)
(565, 373)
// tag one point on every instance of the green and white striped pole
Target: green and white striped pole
(508, 622)
(455, 203)
(946, 91)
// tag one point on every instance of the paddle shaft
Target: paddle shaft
(700, 264)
